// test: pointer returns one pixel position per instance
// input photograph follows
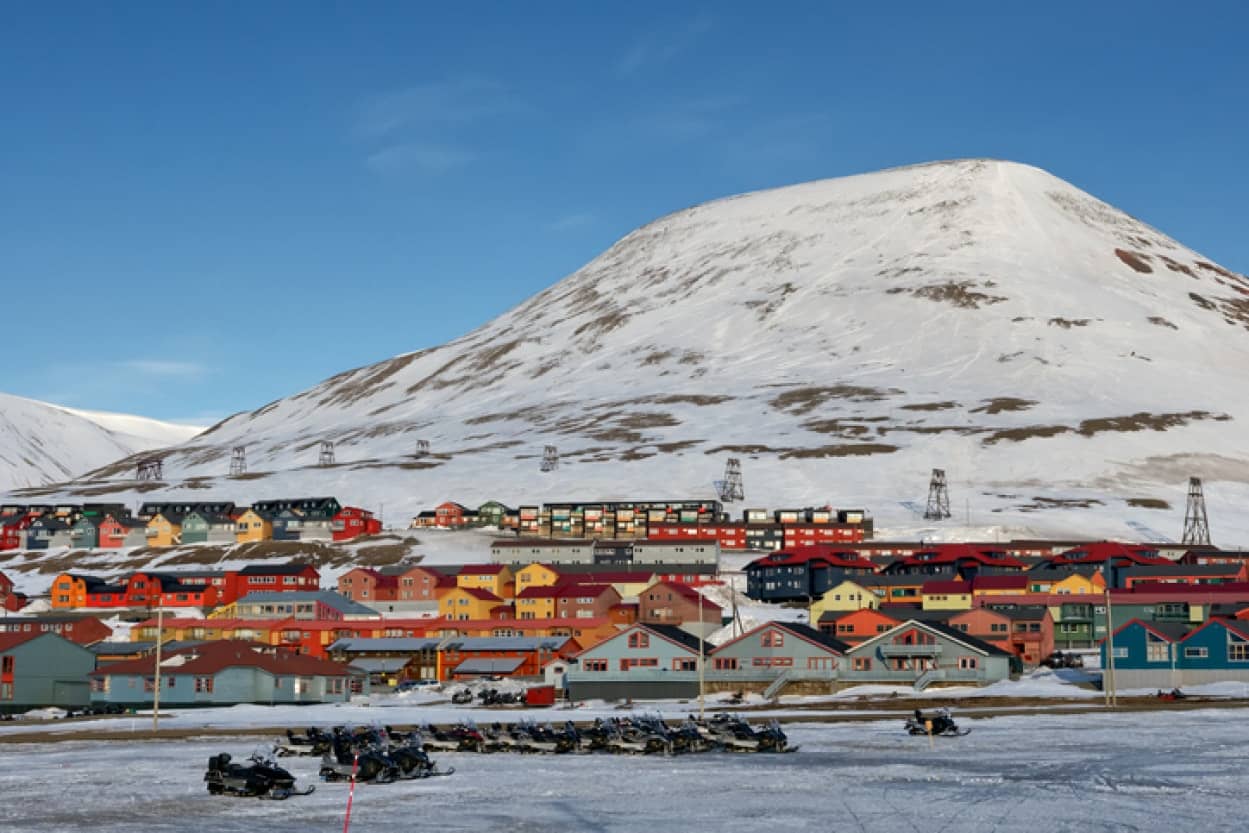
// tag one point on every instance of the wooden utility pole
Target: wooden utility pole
(160, 630)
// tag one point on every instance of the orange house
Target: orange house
(536, 575)
(68, 591)
(251, 526)
(856, 626)
(164, 530)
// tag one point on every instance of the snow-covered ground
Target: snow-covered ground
(1086, 772)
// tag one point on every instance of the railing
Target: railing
(929, 676)
(900, 650)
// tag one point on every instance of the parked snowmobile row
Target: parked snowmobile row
(636, 735)
(376, 756)
(261, 777)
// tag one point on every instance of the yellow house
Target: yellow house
(467, 603)
(535, 575)
(1064, 584)
(946, 595)
(849, 595)
(164, 530)
(253, 526)
(496, 579)
(536, 603)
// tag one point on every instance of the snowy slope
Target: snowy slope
(1067, 365)
(42, 443)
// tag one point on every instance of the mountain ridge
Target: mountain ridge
(842, 336)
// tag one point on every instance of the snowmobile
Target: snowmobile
(462, 697)
(940, 723)
(260, 778)
(1173, 694)
(315, 742)
(346, 757)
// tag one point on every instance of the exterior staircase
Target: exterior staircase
(928, 677)
(774, 688)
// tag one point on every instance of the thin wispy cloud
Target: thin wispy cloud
(417, 157)
(571, 221)
(435, 104)
(163, 367)
(659, 47)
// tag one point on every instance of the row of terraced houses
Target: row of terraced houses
(167, 524)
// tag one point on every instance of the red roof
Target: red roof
(479, 593)
(538, 593)
(213, 657)
(831, 555)
(481, 569)
(9, 641)
(1097, 552)
(687, 592)
(945, 587)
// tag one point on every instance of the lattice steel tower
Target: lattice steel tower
(730, 488)
(938, 497)
(151, 468)
(1196, 525)
(550, 458)
(327, 453)
(422, 449)
(238, 461)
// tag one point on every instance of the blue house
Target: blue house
(1160, 655)
(226, 672)
(42, 669)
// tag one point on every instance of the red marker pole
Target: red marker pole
(351, 791)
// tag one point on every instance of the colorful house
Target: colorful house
(946, 595)
(802, 573)
(800, 651)
(460, 603)
(1146, 655)
(922, 653)
(1027, 632)
(13, 530)
(252, 525)
(450, 515)
(422, 584)
(462, 658)
(366, 585)
(641, 662)
(537, 603)
(225, 673)
(114, 532)
(10, 599)
(40, 669)
(852, 627)
(316, 605)
(84, 533)
(668, 603)
(164, 530)
(536, 575)
(492, 513)
(81, 630)
(496, 579)
(46, 532)
(352, 522)
(202, 527)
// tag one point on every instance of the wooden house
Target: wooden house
(84, 533)
(352, 522)
(226, 672)
(536, 575)
(390, 660)
(327, 506)
(203, 527)
(13, 530)
(10, 599)
(46, 532)
(585, 600)
(287, 524)
(802, 574)
(164, 529)
(420, 584)
(781, 646)
(318, 605)
(852, 627)
(496, 579)
(668, 603)
(252, 525)
(922, 653)
(641, 662)
(117, 531)
(537, 603)
(277, 577)
(39, 669)
(463, 658)
(492, 513)
(460, 603)
(452, 515)
(946, 595)
(366, 585)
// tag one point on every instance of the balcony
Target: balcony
(899, 650)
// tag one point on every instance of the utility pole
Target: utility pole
(1108, 674)
(160, 629)
(702, 649)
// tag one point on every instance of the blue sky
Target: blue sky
(204, 207)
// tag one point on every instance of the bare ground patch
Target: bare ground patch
(1004, 404)
(1135, 259)
(1147, 503)
(1068, 323)
(959, 293)
(929, 406)
(741, 449)
(1161, 322)
(843, 450)
(801, 401)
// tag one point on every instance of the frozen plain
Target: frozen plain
(1159, 771)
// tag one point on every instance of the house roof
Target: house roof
(797, 629)
(678, 635)
(478, 593)
(9, 641)
(903, 612)
(213, 657)
(379, 665)
(386, 645)
(687, 592)
(1002, 581)
(1169, 570)
(326, 597)
(1170, 631)
(505, 643)
(482, 569)
(1025, 613)
(483, 665)
(931, 587)
(274, 569)
(942, 628)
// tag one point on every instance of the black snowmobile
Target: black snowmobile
(939, 722)
(260, 778)
(353, 755)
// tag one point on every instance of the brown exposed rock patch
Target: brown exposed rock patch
(1161, 322)
(1068, 323)
(1148, 503)
(1176, 266)
(1135, 259)
(1029, 432)
(930, 406)
(801, 401)
(343, 392)
(740, 449)
(1145, 422)
(959, 293)
(1004, 404)
(844, 450)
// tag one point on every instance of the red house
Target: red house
(271, 578)
(852, 627)
(451, 514)
(83, 630)
(667, 603)
(364, 585)
(9, 598)
(11, 528)
(352, 522)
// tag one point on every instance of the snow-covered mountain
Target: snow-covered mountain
(1067, 365)
(42, 443)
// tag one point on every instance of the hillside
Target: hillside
(1066, 364)
(42, 443)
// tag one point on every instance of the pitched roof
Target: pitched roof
(9, 641)
(213, 657)
(482, 569)
(678, 635)
(505, 643)
(325, 597)
(274, 569)
(1024, 613)
(930, 587)
(1003, 581)
(483, 665)
(479, 593)
(687, 592)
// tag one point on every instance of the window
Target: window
(6, 665)
(1237, 650)
(967, 663)
(684, 664)
(1121, 653)
(638, 662)
(149, 683)
(6, 691)
(99, 684)
(862, 663)
(845, 628)
(596, 665)
(997, 627)
(772, 639)
(639, 639)
(1196, 653)
(1157, 650)
(772, 662)
(725, 663)
(203, 685)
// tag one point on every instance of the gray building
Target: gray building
(301, 604)
(644, 662)
(922, 653)
(391, 659)
(204, 527)
(541, 551)
(42, 669)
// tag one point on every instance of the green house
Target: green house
(491, 513)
